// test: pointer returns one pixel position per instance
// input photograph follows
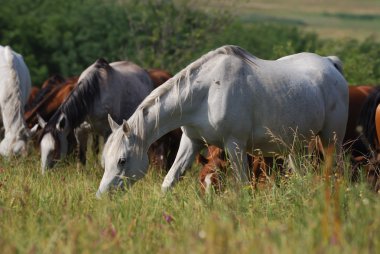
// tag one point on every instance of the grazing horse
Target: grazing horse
(15, 85)
(230, 98)
(102, 89)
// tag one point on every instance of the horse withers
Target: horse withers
(229, 98)
(15, 85)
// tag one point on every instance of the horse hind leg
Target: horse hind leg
(331, 137)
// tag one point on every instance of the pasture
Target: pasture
(315, 208)
(329, 19)
(58, 213)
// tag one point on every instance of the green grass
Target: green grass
(354, 19)
(58, 213)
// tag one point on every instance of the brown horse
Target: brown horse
(158, 76)
(32, 96)
(216, 164)
(50, 97)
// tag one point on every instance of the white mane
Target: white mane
(136, 121)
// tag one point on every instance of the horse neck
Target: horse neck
(166, 113)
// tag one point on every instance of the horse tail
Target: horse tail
(367, 117)
(337, 63)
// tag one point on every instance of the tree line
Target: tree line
(64, 37)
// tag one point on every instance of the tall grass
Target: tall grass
(58, 213)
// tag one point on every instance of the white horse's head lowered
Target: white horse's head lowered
(122, 162)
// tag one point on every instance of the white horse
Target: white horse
(15, 85)
(230, 99)
(102, 89)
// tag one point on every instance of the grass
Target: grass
(58, 213)
(354, 19)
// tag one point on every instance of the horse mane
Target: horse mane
(186, 72)
(367, 117)
(81, 99)
(174, 83)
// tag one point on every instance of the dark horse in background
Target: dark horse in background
(368, 147)
(103, 89)
(115, 89)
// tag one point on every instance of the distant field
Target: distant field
(330, 19)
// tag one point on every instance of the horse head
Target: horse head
(53, 140)
(123, 164)
(14, 145)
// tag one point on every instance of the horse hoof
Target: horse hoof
(165, 188)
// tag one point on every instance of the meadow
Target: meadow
(329, 19)
(310, 210)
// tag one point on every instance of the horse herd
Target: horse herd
(228, 99)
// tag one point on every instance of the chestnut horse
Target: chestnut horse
(216, 164)
(32, 96)
(54, 91)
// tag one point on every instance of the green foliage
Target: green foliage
(67, 36)
(361, 60)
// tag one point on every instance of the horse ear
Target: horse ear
(62, 123)
(112, 123)
(41, 121)
(34, 130)
(101, 63)
(126, 128)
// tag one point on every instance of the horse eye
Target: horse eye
(122, 161)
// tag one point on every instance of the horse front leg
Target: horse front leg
(188, 148)
(81, 135)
